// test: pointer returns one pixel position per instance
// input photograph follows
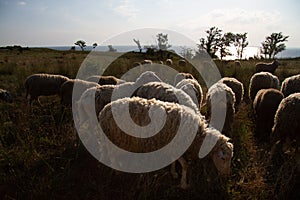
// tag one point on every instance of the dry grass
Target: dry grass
(40, 157)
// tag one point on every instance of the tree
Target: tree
(81, 44)
(95, 45)
(240, 43)
(186, 53)
(210, 43)
(138, 44)
(225, 41)
(162, 41)
(111, 49)
(273, 44)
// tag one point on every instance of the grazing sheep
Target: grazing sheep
(221, 151)
(105, 80)
(262, 80)
(95, 98)
(237, 64)
(136, 64)
(267, 67)
(181, 63)
(265, 106)
(43, 85)
(291, 85)
(165, 92)
(180, 76)
(287, 121)
(161, 62)
(66, 90)
(196, 94)
(220, 98)
(237, 87)
(5, 96)
(147, 62)
(92, 101)
(169, 62)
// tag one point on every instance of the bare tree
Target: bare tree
(81, 44)
(273, 44)
(138, 44)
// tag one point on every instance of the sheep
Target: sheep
(196, 94)
(146, 62)
(181, 63)
(6, 96)
(267, 67)
(92, 102)
(265, 105)
(165, 92)
(290, 85)
(221, 151)
(67, 90)
(180, 76)
(43, 85)
(287, 121)
(237, 64)
(237, 87)
(95, 98)
(220, 98)
(169, 62)
(105, 80)
(262, 80)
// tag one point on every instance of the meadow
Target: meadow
(41, 157)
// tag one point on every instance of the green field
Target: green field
(41, 157)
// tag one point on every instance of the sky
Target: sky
(63, 22)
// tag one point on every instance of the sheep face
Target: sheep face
(6, 96)
(222, 158)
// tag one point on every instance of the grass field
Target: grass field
(41, 158)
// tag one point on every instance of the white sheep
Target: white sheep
(287, 121)
(43, 85)
(6, 96)
(196, 93)
(265, 105)
(237, 87)
(291, 85)
(267, 67)
(105, 80)
(210, 142)
(220, 102)
(262, 80)
(165, 92)
(73, 89)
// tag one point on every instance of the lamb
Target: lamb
(196, 93)
(286, 122)
(180, 76)
(265, 106)
(267, 67)
(237, 87)
(291, 85)
(181, 63)
(79, 86)
(220, 103)
(169, 62)
(194, 130)
(43, 85)
(6, 96)
(105, 80)
(165, 92)
(262, 80)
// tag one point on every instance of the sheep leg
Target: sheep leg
(173, 170)
(184, 166)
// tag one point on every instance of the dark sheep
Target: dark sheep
(267, 67)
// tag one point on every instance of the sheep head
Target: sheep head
(221, 155)
(6, 96)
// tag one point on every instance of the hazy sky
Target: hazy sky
(51, 22)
